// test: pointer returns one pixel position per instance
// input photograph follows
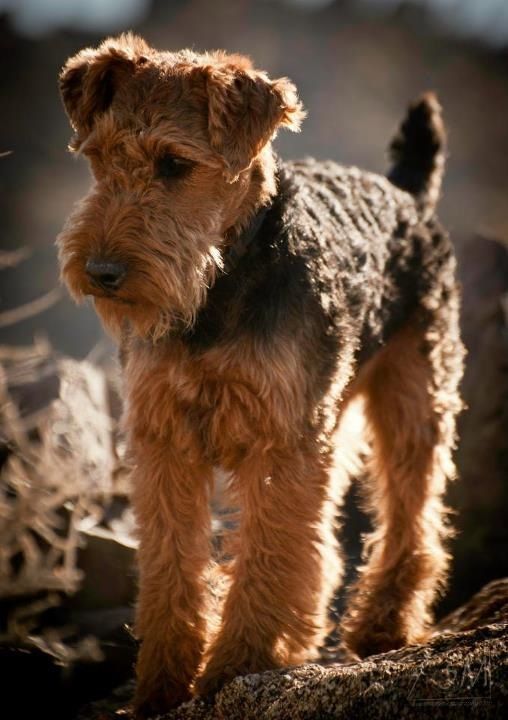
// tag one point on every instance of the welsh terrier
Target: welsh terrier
(253, 299)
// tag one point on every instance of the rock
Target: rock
(451, 673)
(461, 672)
(107, 562)
(490, 605)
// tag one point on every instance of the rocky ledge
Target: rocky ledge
(461, 672)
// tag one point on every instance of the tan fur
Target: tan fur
(255, 409)
(411, 399)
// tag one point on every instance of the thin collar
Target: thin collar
(239, 247)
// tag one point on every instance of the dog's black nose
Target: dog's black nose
(105, 274)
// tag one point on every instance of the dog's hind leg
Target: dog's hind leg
(411, 400)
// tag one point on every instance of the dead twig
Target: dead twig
(11, 258)
(28, 310)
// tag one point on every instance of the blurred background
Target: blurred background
(357, 64)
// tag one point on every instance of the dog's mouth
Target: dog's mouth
(99, 293)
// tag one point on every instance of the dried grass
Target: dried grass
(59, 468)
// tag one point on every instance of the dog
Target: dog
(252, 300)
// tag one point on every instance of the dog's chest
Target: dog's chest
(233, 397)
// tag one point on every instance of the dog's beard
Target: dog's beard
(146, 320)
(168, 273)
(153, 310)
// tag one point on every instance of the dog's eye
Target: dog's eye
(170, 166)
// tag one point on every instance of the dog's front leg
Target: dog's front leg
(170, 499)
(275, 612)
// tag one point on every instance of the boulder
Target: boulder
(461, 672)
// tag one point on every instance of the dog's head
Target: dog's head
(173, 140)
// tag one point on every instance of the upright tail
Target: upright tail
(418, 153)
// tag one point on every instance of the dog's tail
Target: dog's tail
(418, 153)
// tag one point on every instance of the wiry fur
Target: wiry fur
(347, 289)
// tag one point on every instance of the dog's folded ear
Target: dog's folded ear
(89, 79)
(245, 109)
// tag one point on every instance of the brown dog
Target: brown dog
(252, 300)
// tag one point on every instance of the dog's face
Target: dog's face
(171, 139)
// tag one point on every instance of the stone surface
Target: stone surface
(462, 672)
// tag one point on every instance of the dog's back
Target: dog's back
(344, 255)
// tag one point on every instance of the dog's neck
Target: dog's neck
(257, 188)
(240, 245)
